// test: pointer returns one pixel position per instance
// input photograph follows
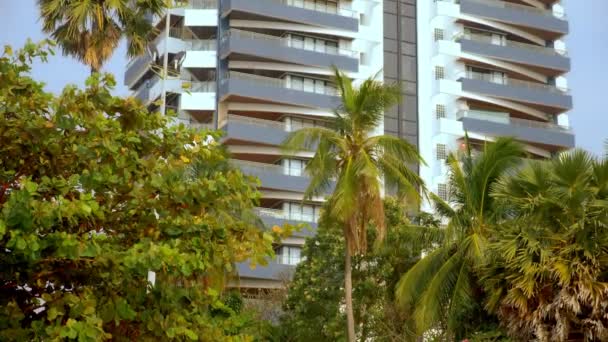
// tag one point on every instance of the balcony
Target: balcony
(274, 271)
(136, 68)
(275, 217)
(275, 177)
(555, 100)
(275, 90)
(501, 124)
(520, 15)
(184, 118)
(178, 7)
(152, 89)
(286, 50)
(265, 132)
(516, 52)
(296, 11)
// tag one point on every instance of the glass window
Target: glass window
(289, 255)
(297, 83)
(297, 41)
(309, 85)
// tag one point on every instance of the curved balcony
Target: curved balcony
(265, 132)
(275, 90)
(302, 12)
(501, 124)
(519, 15)
(275, 176)
(276, 217)
(285, 50)
(545, 58)
(554, 99)
(274, 271)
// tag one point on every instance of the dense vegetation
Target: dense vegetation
(96, 193)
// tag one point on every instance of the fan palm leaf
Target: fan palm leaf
(91, 30)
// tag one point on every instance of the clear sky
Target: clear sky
(587, 44)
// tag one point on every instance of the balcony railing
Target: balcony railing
(194, 4)
(489, 77)
(290, 43)
(283, 215)
(486, 39)
(199, 87)
(504, 4)
(318, 6)
(504, 118)
(137, 66)
(270, 168)
(277, 82)
(257, 122)
(195, 124)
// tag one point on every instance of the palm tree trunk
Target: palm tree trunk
(348, 295)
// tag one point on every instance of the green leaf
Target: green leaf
(85, 208)
(124, 310)
(31, 187)
(191, 334)
(21, 244)
(53, 313)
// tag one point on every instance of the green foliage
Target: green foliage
(547, 277)
(443, 288)
(312, 310)
(91, 30)
(95, 191)
(350, 153)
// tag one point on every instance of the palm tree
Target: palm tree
(356, 159)
(547, 276)
(442, 288)
(91, 30)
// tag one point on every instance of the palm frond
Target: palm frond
(413, 283)
(438, 293)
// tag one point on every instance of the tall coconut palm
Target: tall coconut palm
(351, 154)
(442, 288)
(90, 30)
(548, 276)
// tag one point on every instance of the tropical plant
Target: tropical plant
(96, 192)
(351, 154)
(547, 278)
(312, 311)
(90, 30)
(443, 288)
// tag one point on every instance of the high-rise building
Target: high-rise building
(259, 69)
(491, 68)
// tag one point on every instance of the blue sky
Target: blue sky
(587, 44)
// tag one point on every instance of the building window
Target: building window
(439, 34)
(301, 212)
(442, 191)
(289, 255)
(440, 111)
(442, 152)
(293, 167)
(363, 19)
(314, 44)
(312, 85)
(295, 123)
(439, 72)
(363, 58)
